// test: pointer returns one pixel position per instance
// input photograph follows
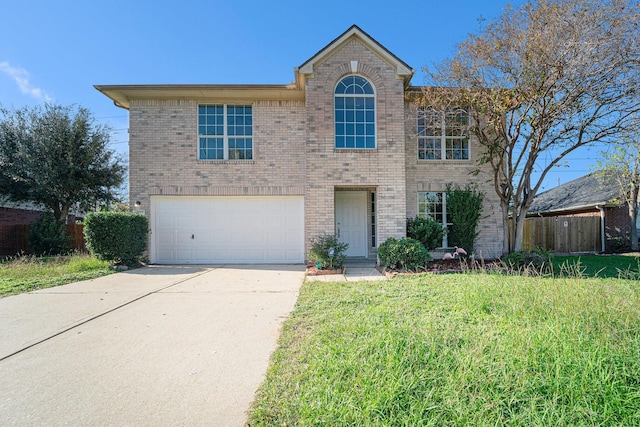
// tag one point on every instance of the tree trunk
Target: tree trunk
(506, 225)
(64, 213)
(633, 216)
(519, 233)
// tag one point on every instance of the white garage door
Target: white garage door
(235, 230)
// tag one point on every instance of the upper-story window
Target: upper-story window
(443, 135)
(355, 113)
(225, 132)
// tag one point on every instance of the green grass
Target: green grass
(465, 349)
(599, 265)
(25, 274)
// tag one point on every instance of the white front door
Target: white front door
(351, 221)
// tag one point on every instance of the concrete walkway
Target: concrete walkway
(150, 347)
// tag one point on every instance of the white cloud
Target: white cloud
(21, 77)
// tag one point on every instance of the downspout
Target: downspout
(602, 237)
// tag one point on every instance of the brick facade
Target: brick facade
(330, 169)
(17, 216)
(434, 176)
(163, 153)
(294, 145)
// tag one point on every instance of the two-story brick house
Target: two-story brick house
(250, 173)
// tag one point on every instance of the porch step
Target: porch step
(360, 262)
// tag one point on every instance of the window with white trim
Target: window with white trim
(225, 132)
(443, 135)
(434, 205)
(355, 114)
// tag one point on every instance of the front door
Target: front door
(351, 221)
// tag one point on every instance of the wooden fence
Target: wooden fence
(13, 239)
(563, 234)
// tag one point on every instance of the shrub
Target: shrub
(48, 237)
(464, 207)
(319, 252)
(426, 231)
(405, 254)
(619, 244)
(119, 237)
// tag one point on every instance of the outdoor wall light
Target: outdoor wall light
(138, 205)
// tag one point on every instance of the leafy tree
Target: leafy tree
(56, 157)
(620, 168)
(541, 81)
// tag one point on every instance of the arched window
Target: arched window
(355, 113)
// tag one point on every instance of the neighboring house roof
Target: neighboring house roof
(28, 206)
(586, 192)
(122, 95)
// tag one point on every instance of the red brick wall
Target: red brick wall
(14, 216)
(617, 227)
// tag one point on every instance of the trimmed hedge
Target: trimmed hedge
(405, 254)
(119, 237)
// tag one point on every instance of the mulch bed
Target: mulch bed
(445, 266)
(435, 266)
(312, 270)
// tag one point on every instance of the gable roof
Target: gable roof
(403, 70)
(122, 95)
(586, 192)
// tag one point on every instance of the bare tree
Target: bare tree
(541, 81)
(620, 168)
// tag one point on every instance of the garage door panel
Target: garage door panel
(227, 230)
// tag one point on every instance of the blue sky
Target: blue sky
(56, 51)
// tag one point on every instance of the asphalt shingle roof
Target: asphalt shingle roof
(587, 191)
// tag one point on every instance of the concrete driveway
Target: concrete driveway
(150, 347)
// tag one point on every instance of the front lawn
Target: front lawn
(464, 349)
(598, 265)
(24, 274)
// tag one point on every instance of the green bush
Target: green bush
(426, 231)
(405, 254)
(464, 208)
(48, 237)
(319, 252)
(119, 237)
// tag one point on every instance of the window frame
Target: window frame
(233, 134)
(364, 128)
(440, 143)
(443, 203)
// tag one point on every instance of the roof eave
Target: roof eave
(122, 95)
(576, 208)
